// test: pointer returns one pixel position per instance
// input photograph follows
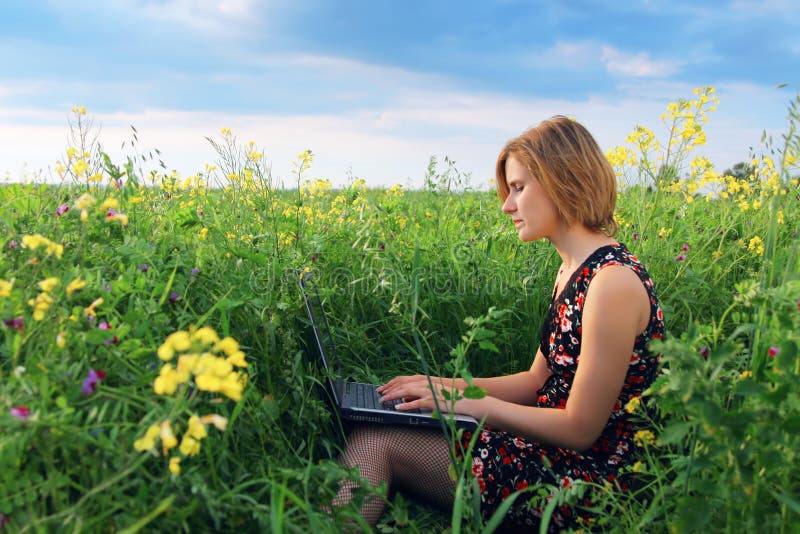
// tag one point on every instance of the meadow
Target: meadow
(154, 374)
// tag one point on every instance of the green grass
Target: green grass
(727, 424)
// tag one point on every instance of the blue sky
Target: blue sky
(375, 88)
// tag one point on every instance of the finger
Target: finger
(395, 382)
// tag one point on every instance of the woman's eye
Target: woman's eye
(517, 188)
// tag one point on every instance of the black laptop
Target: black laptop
(358, 401)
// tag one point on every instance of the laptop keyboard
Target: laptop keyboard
(366, 396)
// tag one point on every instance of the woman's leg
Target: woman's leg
(410, 459)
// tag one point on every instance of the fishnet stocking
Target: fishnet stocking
(410, 459)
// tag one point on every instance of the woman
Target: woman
(564, 419)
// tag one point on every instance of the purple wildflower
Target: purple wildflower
(174, 297)
(143, 267)
(704, 352)
(773, 351)
(13, 245)
(62, 209)
(20, 412)
(685, 247)
(16, 322)
(382, 246)
(680, 257)
(91, 381)
(635, 236)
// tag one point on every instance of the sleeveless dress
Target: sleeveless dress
(503, 463)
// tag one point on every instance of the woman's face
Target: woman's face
(533, 213)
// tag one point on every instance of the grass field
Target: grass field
(152, 366)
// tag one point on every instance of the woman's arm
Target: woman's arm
(519, 388)
(616, 310)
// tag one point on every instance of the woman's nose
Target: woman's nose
(509, 206)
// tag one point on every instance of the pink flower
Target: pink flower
(62, 209)
(91, 381)
(685, 247)
(680, 257)
(20, 412)
(773, 351)
(16, 322)
(704, 352)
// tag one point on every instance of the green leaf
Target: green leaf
(674, 432)
(474, 392)
(488, 345)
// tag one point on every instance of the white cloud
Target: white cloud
(637, 64)
(392, 144)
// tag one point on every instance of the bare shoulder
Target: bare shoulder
(617, 279)
(616, 290)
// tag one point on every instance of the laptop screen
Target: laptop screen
(322, 335)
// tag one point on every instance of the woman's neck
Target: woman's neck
(576, 244)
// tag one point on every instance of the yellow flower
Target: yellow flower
(71, 152)
(40, 305)
(756, 245)
(176, 342)
(5, 287)
(205, 335)
(80, 167)
(168, 439)
(109, 203)
(48, 284)
(74, 286)
(633, 404)
(637, 467)
(175, 465)
(203, 233)
(208, 382)
(745, 374)
(187, 363)
(217, 420)
(179, 340)
(189, 446)
(89, 310)
(35, 241)
(148, 441)
(644, 437)
(232, 387)
(228, 345)
(167, 381)
(119, 217)
(237, 359)
(60, 340)
(197, 429)
(85, 201)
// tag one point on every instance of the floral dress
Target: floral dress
(503, 463)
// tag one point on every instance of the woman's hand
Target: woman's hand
(415, 391)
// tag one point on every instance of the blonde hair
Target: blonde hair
(567, 161)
